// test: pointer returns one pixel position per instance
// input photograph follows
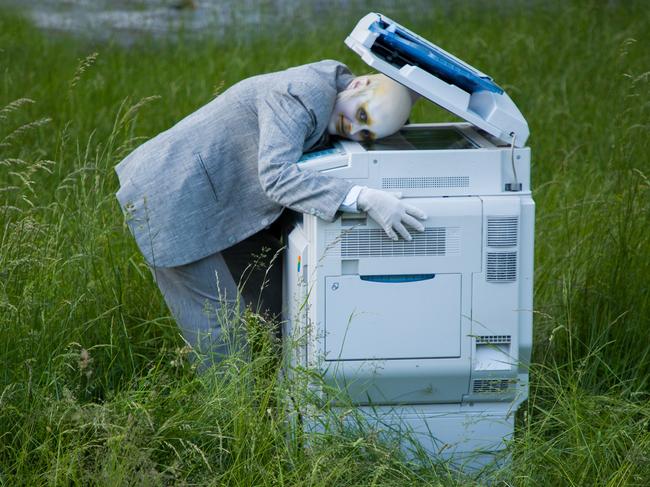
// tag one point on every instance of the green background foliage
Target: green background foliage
(94, 385)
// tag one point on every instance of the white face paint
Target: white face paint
(370, 107)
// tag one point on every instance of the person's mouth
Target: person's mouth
(340, 127)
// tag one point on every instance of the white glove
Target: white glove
(390, 212)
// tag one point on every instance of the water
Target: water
(128, 20)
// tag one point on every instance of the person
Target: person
(201, 198)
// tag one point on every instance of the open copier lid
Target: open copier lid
(437, 75)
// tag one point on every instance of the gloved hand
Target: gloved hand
(390, 212)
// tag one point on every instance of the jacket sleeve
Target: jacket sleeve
(285, 122)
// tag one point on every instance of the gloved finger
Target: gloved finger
(412, 222)
(389, 231)
(416, 212)
(397, 194)
(401, 229)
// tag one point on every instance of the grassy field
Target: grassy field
(94, 385)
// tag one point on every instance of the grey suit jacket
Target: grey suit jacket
(227, 170)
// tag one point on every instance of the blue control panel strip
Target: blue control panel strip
(319, 153)
(431, 59)
(397, 278)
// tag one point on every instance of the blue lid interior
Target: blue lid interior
(399, 48)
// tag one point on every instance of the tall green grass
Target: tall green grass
(95, 388)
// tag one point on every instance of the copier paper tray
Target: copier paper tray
(438, 76)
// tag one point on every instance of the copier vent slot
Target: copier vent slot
(424, 182)
(501, 267)
(502, 231)
(491, 386)
(493, 339)
(373, 242)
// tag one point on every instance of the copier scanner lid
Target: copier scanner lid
(439, 76)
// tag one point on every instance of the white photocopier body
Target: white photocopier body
(429, 337)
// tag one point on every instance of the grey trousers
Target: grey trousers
(207, 297)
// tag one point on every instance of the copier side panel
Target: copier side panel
(527, 251)
(527, 236)
(408, 361)
(499, 324)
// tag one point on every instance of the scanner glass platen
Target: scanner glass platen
(422, 138)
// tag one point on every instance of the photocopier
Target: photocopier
(431, 337)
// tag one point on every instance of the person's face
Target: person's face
(371, 107)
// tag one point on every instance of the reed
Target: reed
(95, 387)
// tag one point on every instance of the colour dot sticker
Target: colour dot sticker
(299, 262)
